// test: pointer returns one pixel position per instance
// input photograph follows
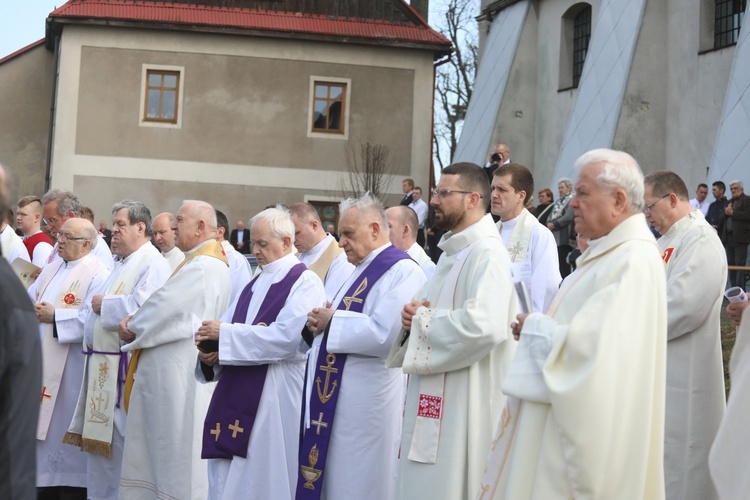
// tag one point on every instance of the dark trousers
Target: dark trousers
(60, 493)
(736, 256)
(562, 254)
(420, 237)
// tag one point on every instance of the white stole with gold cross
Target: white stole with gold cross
(93, 421)
(71, 294)
(518, 243)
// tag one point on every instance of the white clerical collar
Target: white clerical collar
(196, 247)
(169, 252)
(32, 234)
(139, 250)
(371, 256)
(318, 249)
(280, 264)
(73, 263)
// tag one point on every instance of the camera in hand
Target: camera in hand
(496, 157)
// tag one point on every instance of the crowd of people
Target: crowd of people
(443, 350)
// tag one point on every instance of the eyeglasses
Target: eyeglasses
(50, 222)
(442, 193)
(647, 208)
(63, 236)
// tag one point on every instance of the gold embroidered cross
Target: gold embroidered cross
(45, 395)
(361, 288)
(235, 428)
(319, 423)
(216, 431)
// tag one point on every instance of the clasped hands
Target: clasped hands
(318, 319)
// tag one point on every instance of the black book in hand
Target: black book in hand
(208, 346)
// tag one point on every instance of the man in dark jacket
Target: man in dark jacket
(735, 222)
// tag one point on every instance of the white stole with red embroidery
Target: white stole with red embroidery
(426, 436)
(54, 354)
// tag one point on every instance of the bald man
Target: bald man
(62, 295)
(165, 239)
(403, 225)
(160, 376)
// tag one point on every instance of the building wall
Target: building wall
(244, 122)
(26, 88)
(673, 98)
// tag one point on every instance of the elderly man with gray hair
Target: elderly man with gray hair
(99, 428)
(251, 431)
(352, 415)
(58, 206)
(165, 404)
(560, 222)
(585, 414)
(62, 295)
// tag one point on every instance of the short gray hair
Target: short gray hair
(137, 212)
(366, 203)
(566, 181)
(737, 183)
(278, 219)
(66, 201)
(619, 170)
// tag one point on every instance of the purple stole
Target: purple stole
(234, 404)
(328, 378)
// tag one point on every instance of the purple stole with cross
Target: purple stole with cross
(328, 377)
(234, 404)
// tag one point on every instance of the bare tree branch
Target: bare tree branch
(455, 79)
(369, 167)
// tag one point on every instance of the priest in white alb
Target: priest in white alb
(319, 251)
(696, 265)
(165, 404)
(402, 231)
(730, 468)
(62, 295)
(165, 239)
(240, 272)
(455, 345)
(353, 406)
(585, 412)
(531, 246)
(58, 206)
(251, 433)
(98, 425)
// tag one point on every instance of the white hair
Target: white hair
(619, 170)
(366, 203)
(737, 183)
(278, 219)
(566, 181)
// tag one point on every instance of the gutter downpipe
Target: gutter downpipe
(435, 66)
(53, 107)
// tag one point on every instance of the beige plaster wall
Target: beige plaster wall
(238, 109)
(26, 90)
(217, 144)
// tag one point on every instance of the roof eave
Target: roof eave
(54, 26)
